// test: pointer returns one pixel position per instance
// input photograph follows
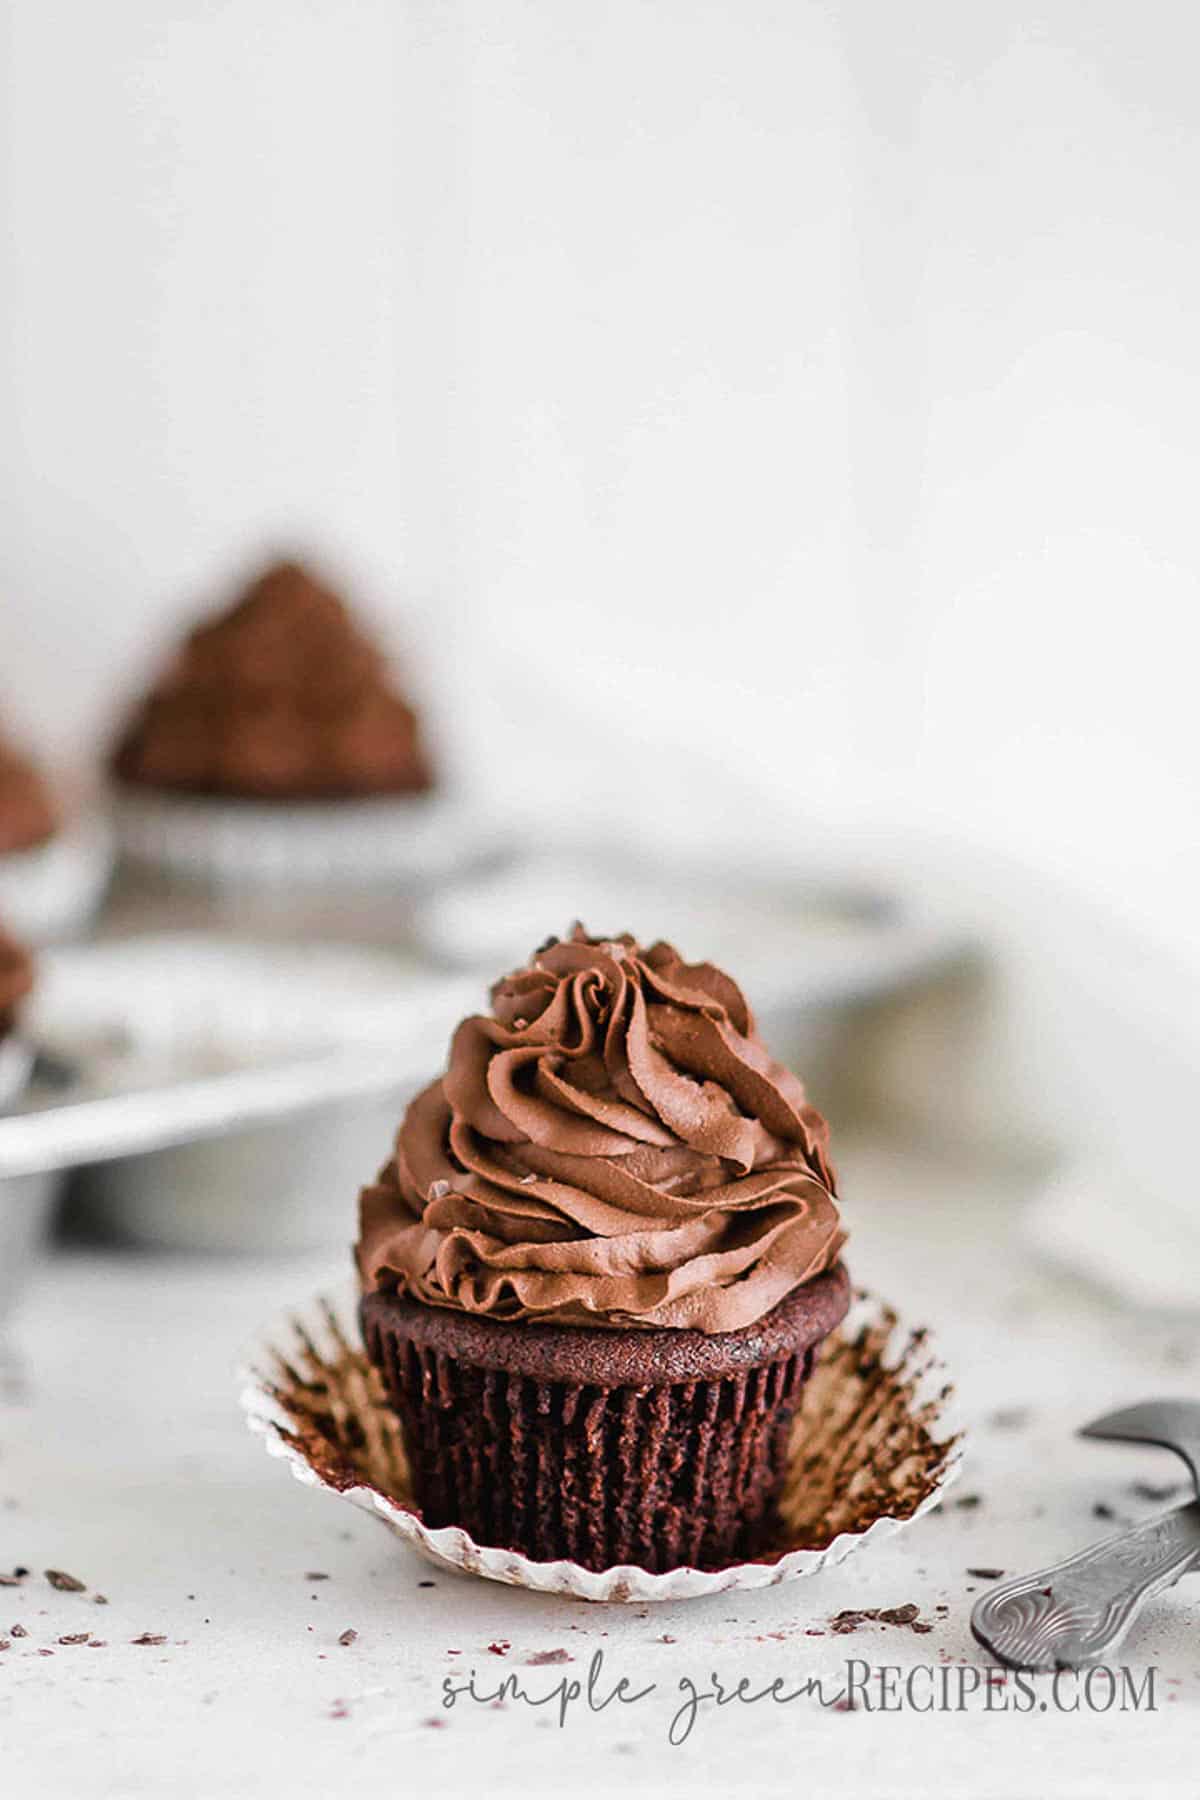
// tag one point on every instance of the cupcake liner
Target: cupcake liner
(875, 1445)
(55, 889)
(322, 844)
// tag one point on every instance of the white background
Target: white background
(782, 413)
(811, 385)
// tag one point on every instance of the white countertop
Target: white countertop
(124, 1461)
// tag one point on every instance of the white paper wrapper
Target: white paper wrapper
(878, 1398)
(319, 844)
(54, 890)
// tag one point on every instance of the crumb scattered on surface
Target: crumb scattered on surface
(1009, 1418)
(986, 1574)
(541, 1657)
(349, 1636)
(852, 1617)
(66, 1584)
(149, 1637)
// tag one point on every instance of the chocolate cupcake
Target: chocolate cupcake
(29, 816)
(282, 697)
(598, 1265)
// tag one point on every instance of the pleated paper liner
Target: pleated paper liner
(874, 1446)
(237, 844)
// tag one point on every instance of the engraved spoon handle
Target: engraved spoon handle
(1078, 1611)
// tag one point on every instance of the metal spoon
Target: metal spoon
(1079, 1610)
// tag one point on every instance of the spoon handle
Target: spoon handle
(1078, 1611)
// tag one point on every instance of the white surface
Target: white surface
(125, 1461)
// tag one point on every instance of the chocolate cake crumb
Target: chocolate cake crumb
(5, 1644)
(986, 1574)
(1009, 1418)
(18, 1631)
(349, 1636)
(13, 1580)
(149, 1637)
(852, 1617)
(66, 1584)
(99, 1599)
(541, 1657)
(501, 1647)
(76, 1637)
(316, 1575)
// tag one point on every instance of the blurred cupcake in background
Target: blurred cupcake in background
(54, 860)
(275, 747)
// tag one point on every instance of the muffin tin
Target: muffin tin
(216, 1092)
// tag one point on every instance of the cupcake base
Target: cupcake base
(657, 1448)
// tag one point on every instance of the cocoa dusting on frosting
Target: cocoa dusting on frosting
(281, 697)
(16, 979)
(611, 1145)
(28, 814)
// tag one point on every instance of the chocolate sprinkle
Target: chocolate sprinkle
(852, 1617)
(349, 1636)
(66, 1584)
(986, 1574)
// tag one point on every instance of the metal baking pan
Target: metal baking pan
(220, 1094)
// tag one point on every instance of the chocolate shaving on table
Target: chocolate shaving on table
(66, 1584)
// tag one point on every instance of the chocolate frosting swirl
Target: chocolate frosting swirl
(16, 979)
(612, 1145)
(281, 697)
